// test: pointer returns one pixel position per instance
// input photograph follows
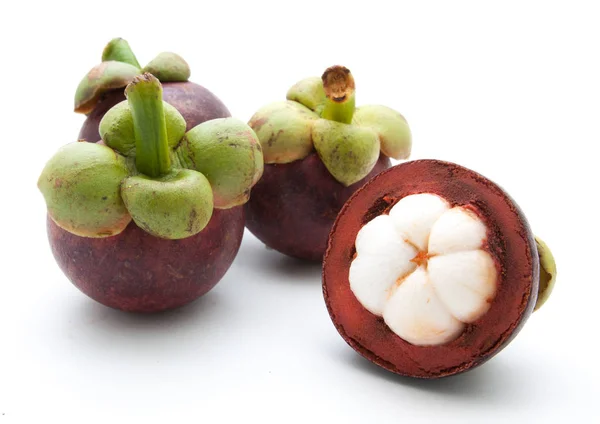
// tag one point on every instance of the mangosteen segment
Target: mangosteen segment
(433, 272)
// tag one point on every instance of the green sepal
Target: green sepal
(81, 186)
(102, 78)
(310, 93)
(349, 152)
(229, 154)
(174, 206)
(390, 126)
(284, 130)
(116, 128)
(118, 50)
(168, 67)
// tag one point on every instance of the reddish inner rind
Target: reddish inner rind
(135, 271)
(510, 242)
(195, 103)
(293, 206)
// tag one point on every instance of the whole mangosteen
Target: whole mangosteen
(318, 150)
(149, 219)
(102, 88)
(431, 269)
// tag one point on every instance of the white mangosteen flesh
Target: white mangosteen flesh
(424, 269)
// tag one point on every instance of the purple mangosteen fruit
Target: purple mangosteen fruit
(432, 269)
(151, 218)
(318, 150)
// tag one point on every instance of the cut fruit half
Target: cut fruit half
(430, 270)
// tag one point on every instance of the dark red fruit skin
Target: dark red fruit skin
(193, 101)
(293, 206)
(510, 241)
(137, 272)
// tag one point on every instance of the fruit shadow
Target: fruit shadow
(97, 328)
(496, 383)
(254, 257)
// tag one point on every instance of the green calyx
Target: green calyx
(284, 130)
(102, 78)
(320, 114)
(118, 68)
(174, 206)
(547, 272)
(116, 128)
(229, 154)
(168, 67)
(118, 50)
(150, 170)
(81, 187)
(349, 153)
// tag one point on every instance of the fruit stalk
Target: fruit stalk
(339, 87)
(144, 95)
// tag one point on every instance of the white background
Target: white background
(510, 89)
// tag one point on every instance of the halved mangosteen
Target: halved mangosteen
(431, 269)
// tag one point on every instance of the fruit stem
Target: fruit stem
(118, 49)
(339, 87)
(144, 95)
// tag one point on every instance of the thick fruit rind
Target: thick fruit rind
(510, 241)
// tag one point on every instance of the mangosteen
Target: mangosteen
(431, 269)
(318, 150)
(102, 88)
(150, 219)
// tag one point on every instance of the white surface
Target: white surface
(509, 90)
(429, 304)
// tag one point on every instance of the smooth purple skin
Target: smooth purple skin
(137, 272)
(293, 206)
(193, 101)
